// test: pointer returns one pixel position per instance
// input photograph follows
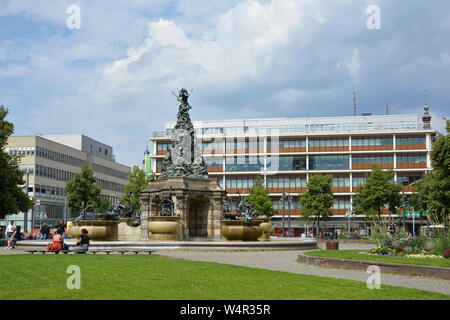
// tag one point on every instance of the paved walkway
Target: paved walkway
(286, 261)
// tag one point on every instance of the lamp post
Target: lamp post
(289, 198)
(403, 208)
(283, 199)
(349, 214)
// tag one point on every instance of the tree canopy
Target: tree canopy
(433, 190)
(137, 183)
(82, 191)
(259, 196)
(318, 199)
(12, 197)
(378, 192)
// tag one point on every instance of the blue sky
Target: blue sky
(111, 79)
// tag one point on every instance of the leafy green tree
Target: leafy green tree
(82, 191)
(137, 183)
(104, 205)
(378, 192)
(12, 197)
(433, 190)
(259, 196)
(318, 200)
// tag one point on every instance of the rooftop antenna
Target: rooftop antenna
(387, 108)
(354, 101)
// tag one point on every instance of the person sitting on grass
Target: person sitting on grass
(57, 243)
(82, 242)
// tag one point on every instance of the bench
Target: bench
(50, 251)
(107, 251)
(121, 251)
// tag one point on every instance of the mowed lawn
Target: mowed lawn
(157, 277)
(353, 254)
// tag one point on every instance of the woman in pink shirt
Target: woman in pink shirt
(57, 243)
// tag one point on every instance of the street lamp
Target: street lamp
(349, 214)
(283, 199)
(289, 198)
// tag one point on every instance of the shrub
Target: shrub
(440, 243)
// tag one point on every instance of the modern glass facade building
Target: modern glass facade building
(48, 163)
(285, 152)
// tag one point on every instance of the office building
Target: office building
(285, 152)
(49, 162)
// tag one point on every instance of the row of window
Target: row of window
(372, 141)
(293, 163)
(328, 142)
(112, 186)
(20, 151)
(278, 205)
(233, 164)
(411, 158)
(286, 182)
(55, 174)
(49, 192)
(110, 172)
(358, 180)
(239, 183)
(338, 142)
(164, 146)
(59, 157)
(409, 140)
(341, 182)
(27, 168)
(372, 159)
(341, 204)
(329, 162)
(408, 180)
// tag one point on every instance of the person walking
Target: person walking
(45, 231)
(10, 229)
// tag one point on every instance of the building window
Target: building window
(328, 162)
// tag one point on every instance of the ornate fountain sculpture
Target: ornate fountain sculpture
(185, 159)
(242, 226)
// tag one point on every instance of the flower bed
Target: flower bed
(418, 247)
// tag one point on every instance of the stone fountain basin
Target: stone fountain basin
(163, 228)
(239, 230)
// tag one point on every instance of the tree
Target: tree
(82, 191)
(318, 198)
(378, 192)
(104, 205)
(433, 190)
(259, 196)
(12, 197)
(137, 183)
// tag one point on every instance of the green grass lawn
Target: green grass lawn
(157, 277)
(353, 254)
